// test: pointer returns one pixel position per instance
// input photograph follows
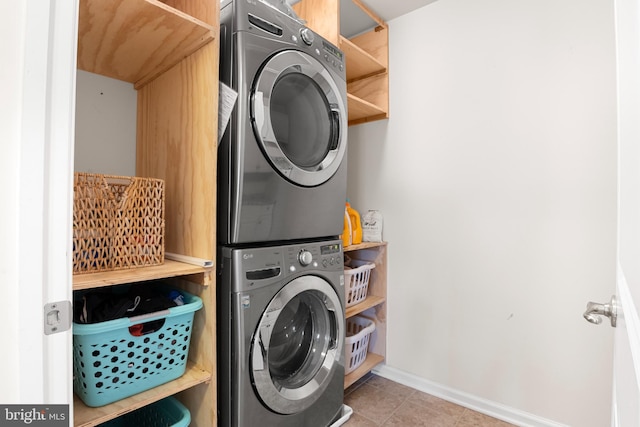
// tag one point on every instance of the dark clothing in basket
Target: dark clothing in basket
(101, 305)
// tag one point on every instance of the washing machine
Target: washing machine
(282, 158)
(281, 335)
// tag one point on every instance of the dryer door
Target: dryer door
(299, 117)
(298, 345)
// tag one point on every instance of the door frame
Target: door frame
(42, 95)
(626, 370)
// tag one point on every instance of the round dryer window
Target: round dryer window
(297, 345)
(299, 117)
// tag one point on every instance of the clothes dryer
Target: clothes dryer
(281, 335)
(282, 159)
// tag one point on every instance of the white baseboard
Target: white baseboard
(487, 407)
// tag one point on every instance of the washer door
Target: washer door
(297, 345)
(299, 118)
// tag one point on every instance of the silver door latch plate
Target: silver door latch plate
(57, 317)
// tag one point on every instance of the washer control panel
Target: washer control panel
(254, 268)
(320, 256)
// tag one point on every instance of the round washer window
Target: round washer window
(299, 340)
(298, 345)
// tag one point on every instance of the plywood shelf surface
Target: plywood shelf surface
(136, 40)
(369, 363)
(361, 111)
(360, 64)
(364, 245)
(369, 302)
(108, 278)
(85, 416)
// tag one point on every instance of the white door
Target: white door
(36, 366)
(626, 386)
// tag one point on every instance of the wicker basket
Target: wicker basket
(356, 281)
(118, 222)
(359, 329)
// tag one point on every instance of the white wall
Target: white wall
(496, 174)
(105, 125)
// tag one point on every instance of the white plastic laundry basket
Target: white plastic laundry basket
(359, 329)
(356, 281)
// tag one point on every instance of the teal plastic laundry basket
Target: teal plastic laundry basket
(110, 363)
(168, 412)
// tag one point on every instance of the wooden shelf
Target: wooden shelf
(360, 64)
(364, 245)
(370, 301)
(361, 111)
(369, 363)
(108, 278)
(85, 416)
(136, 40)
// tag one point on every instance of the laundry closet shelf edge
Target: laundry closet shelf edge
(168, 269)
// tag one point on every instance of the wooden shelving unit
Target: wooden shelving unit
(169, 52)
(367, 57)
(374, 306)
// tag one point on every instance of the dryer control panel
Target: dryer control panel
(272, 23)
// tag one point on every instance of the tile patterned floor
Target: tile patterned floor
(377, 401)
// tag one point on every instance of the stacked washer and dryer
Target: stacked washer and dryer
(281, 193)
